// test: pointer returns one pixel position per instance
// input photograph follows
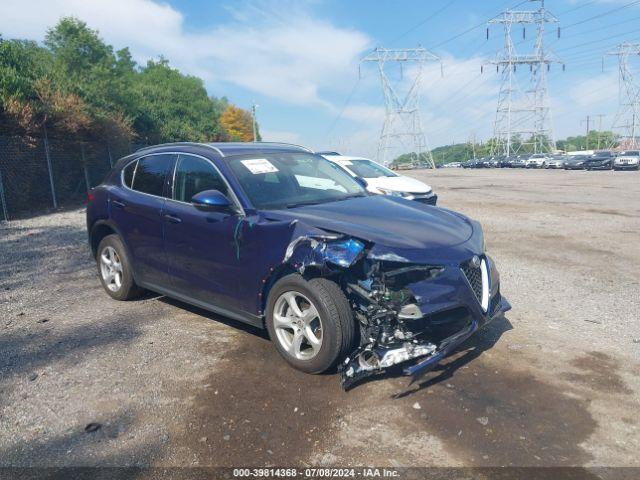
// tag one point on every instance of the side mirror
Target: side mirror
(363, 183)
(211, 200)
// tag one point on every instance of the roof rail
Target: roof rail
(212, 147)
(290, 144)
(219, 151)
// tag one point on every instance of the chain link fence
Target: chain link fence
(50, 173)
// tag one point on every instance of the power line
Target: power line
(422, 22)
(344, 107)
(471, 29)
(600, 15)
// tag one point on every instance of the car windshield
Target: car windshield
(287, 180)
(367, 169)
(633, 153)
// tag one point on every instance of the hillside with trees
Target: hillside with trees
(75, 85)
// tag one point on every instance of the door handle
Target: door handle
(118, 203)
(172, 218)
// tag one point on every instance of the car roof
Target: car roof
(227, 149)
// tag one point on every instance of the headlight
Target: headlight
(344, 252)
(395, 193)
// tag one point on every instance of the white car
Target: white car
(537, 160)
(383, 181)
(628, 160)
(556, 161)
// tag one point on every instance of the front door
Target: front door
(203, 264)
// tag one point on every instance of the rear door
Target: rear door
(202, 245)
(137, 209)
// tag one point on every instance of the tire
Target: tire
(335, 318)
(126, 288)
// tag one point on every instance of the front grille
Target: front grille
(474, 277)
(427, 200)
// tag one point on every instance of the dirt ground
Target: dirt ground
(554, 383)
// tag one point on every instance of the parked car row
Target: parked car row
(602, 160)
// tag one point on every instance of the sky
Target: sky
(299, 60)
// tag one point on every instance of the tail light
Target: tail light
(90, 197)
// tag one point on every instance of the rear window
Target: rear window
(150, 174)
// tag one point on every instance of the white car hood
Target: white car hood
(398, 184)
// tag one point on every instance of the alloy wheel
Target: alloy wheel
(111, 268)
(297, 325)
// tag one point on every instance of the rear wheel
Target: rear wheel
(115, 270)
(310, 322)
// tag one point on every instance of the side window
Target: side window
(194, 175)
(150, 174)
(127, 174)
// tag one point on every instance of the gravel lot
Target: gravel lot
(555, 383)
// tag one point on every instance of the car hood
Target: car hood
(401, 230)
(399, 184)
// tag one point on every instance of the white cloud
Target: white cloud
(595, 91)
(364, 114)
(280, 51)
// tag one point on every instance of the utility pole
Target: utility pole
(600, 115)
(472, 142)
(402, 127)
(254, 106)
(625, 121)
(524, 113)
(586, 138)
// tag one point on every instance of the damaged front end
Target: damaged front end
(405, 310)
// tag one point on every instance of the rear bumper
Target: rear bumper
(626, 167)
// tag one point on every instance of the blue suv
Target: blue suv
(279, 237)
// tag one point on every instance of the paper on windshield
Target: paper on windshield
(259, 165)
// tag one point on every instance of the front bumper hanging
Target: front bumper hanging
(366, 361)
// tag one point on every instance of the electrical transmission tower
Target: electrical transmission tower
(523, 115)
(402, 123)
(627, 120)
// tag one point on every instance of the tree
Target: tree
(22, 65)
(77, 87)
(175, 107)
(237, 124)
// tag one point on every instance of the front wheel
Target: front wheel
(310, 322)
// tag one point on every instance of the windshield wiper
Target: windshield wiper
(304, 204)
(325, 200)
(348, 197)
